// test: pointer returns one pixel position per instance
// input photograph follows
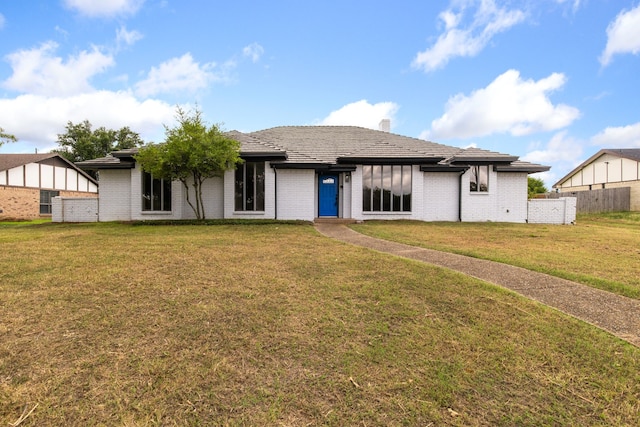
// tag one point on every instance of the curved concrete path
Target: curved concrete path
(614, 313)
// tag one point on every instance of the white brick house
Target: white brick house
(310, 172)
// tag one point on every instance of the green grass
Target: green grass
(601, 250)
(274, 324)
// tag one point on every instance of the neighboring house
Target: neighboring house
(310, 172)
(28, 182)
(608, 168)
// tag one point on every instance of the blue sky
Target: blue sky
(551, 81)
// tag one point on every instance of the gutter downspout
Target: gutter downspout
(275, 189)
(460, 196)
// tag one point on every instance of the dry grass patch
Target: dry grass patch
(600, 250)
(108, 324)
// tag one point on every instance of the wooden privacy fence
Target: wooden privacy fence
(600, 200)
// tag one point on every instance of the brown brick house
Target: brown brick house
(28, 182)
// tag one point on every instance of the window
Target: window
(156, 193)
(249, 194)
(386, 188)
(479, 180)
(45, 201)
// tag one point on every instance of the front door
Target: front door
(328, 195)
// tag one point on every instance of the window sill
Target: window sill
(386, 213)
(156, 213)
(248, 212)
(479, 193)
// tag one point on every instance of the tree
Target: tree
(6, 137)
(80, 142)
(191, 153)
(536, 186)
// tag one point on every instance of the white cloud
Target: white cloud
(37, 120)
(619, 137)
(253, 51)
(623, 35)
(40, 72)
(127, 38)
(563, 153)
(362, 114)
(180, 75)
(561, 148)
(509, 104)
(458, 40)
(104, 8)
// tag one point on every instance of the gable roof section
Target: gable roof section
(10, 161)
(625, 153)
(117, 160)
(252, 147)
(474, 155)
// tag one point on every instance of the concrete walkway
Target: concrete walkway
(616, 314)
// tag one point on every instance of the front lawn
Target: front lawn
(274, 324)
(601, 250)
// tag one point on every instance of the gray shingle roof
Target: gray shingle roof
(322, 146)
(116, 160)
(328, 144)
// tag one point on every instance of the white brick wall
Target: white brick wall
(212, 198)
(435, 197)
(74, 209)
(479, 206)
(441, 201)
(512, 197)
(552, 211)
(115, 195)
(296, 194)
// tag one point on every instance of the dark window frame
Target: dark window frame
(479, 179)
(387, 188)
(156, 194)
(249, 187)
(46, 201)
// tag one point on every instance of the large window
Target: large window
(479, 180)
(386, 188)
(45, 201)
(156, 193)
(249, 193)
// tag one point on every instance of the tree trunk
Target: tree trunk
(186, 187)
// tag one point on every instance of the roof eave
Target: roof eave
(97, 166)
(443, 168)
(523, 168)
(390, 160)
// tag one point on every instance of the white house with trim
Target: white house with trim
(312, 172)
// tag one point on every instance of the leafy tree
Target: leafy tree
(80, 142)
(191, 153)
(536, 186)
(6, 137)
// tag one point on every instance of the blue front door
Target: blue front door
(328, 195)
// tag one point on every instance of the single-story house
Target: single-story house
(28, 182)
(311, 172)
(608, 168)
